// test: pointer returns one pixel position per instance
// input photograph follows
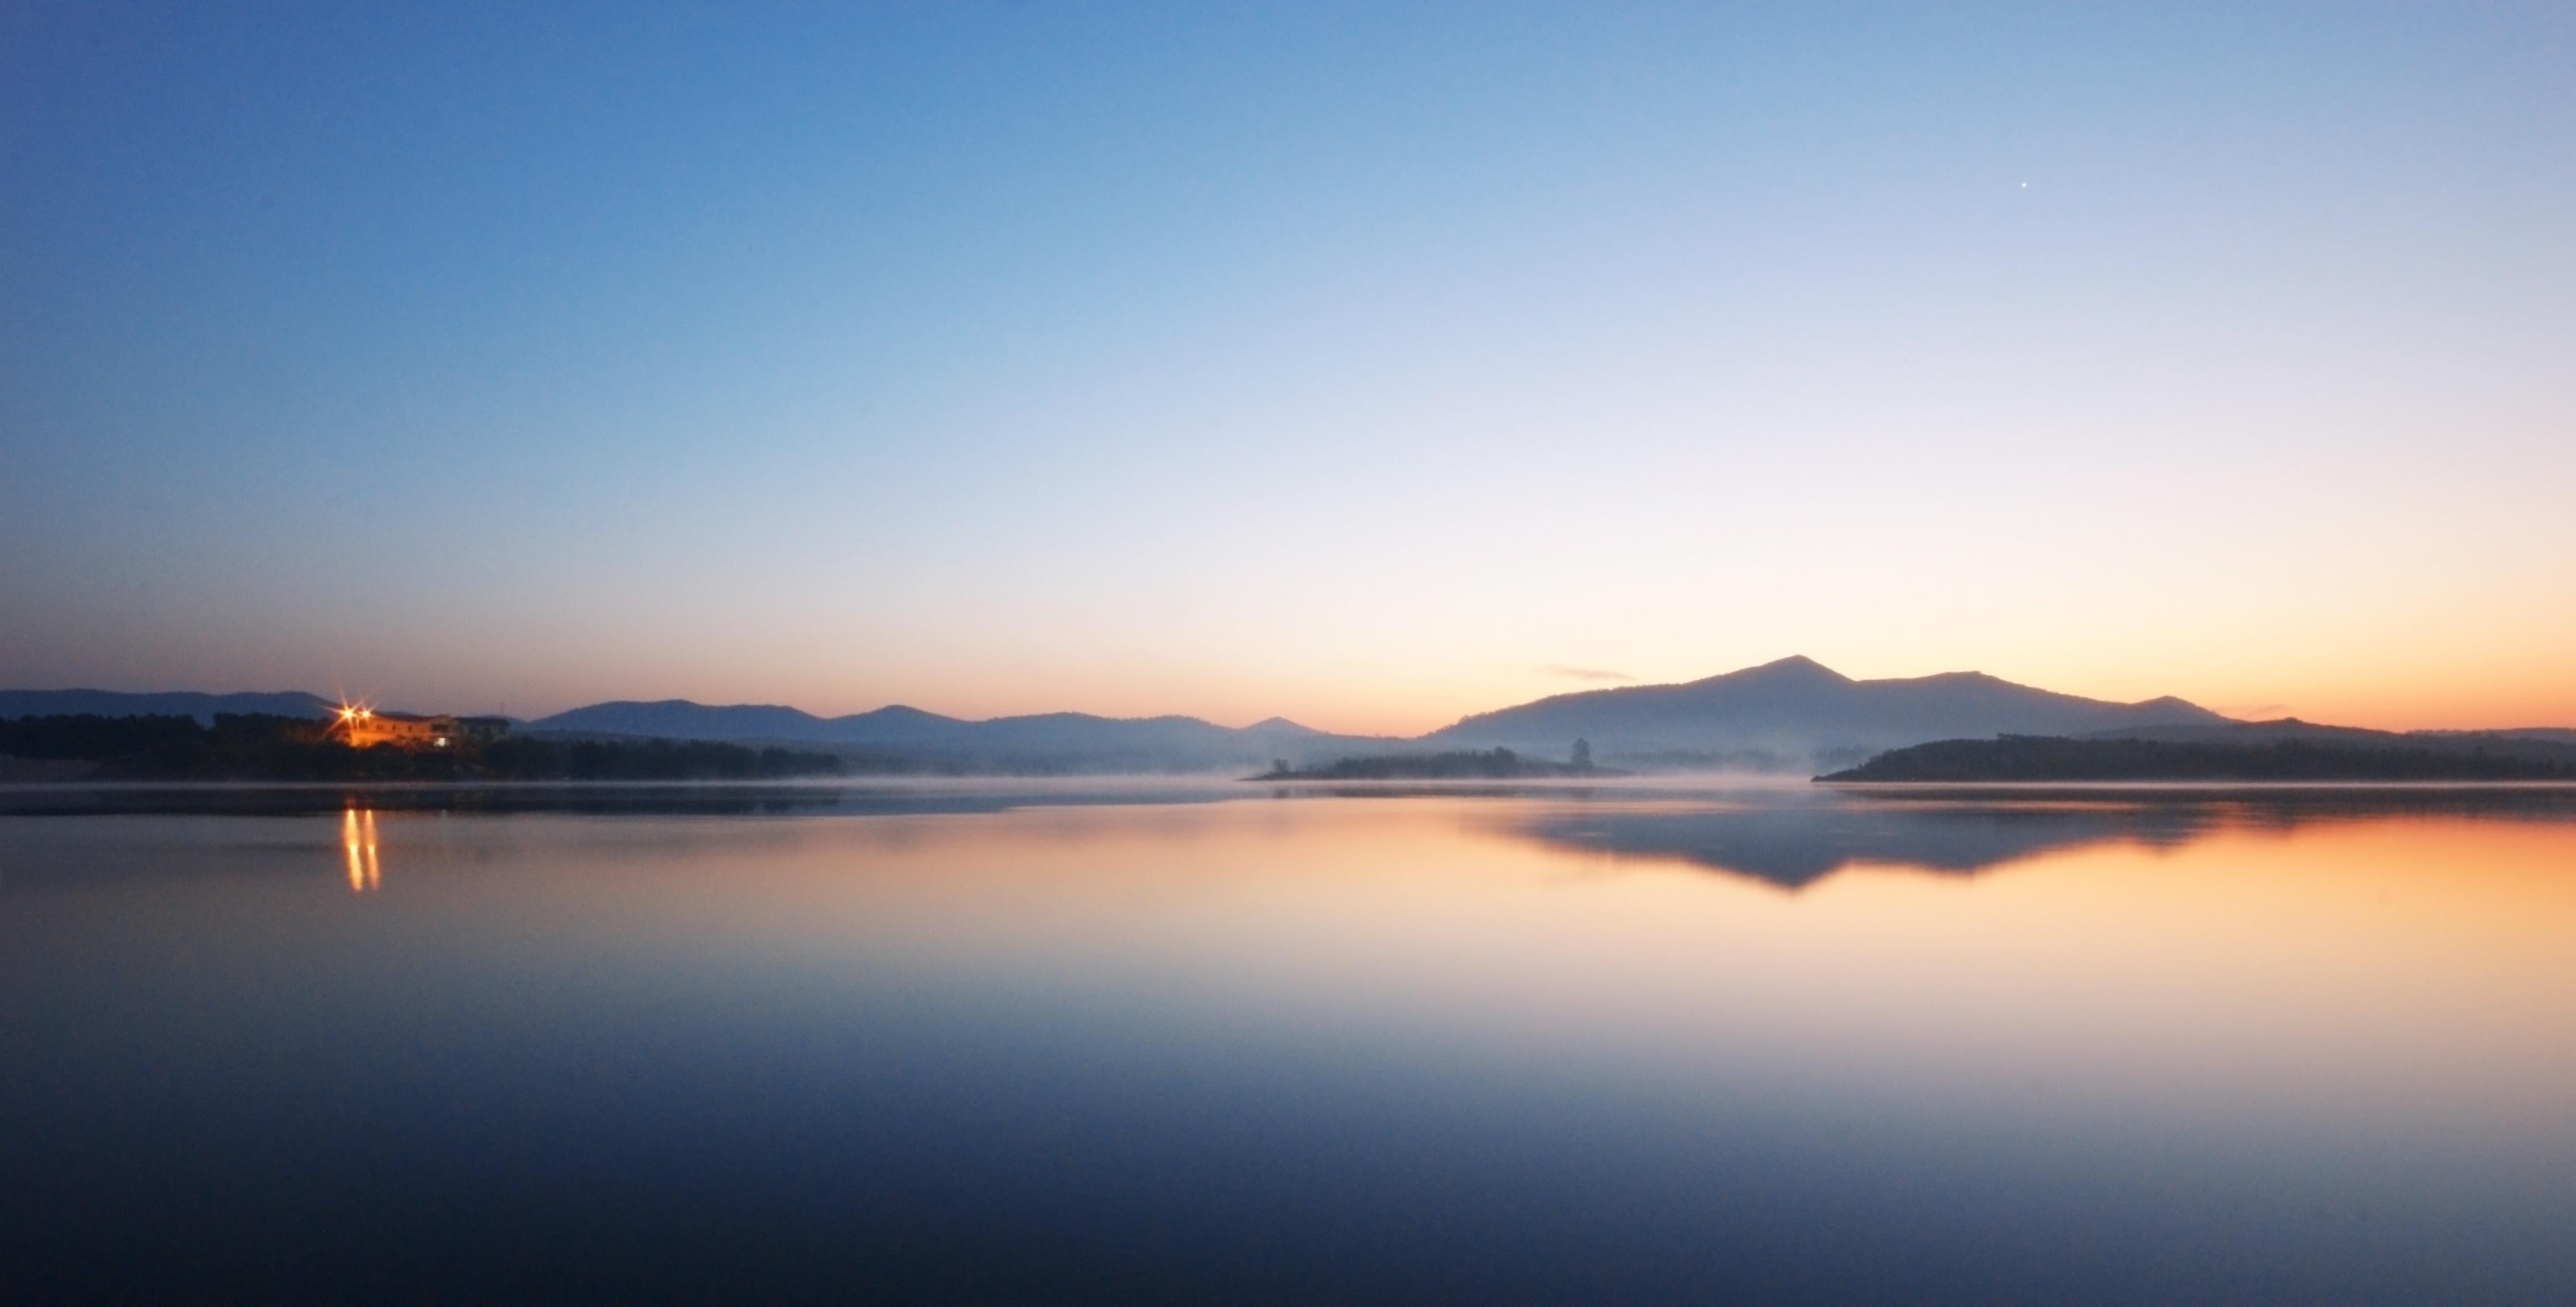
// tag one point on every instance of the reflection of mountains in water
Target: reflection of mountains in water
(1795, 844)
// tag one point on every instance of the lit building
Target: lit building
(362, 727)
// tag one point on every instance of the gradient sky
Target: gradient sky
(1369, 365)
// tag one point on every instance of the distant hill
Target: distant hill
(1796, 714)
(899, 738)
(679, 719)
(203, 707)
(1793, 715)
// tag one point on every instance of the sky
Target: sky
(1366, 364)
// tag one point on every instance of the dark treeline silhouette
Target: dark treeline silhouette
(257, 746)
(1496, 764)
(2053, 758)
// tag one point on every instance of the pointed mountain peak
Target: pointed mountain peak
(2169, 702)
(896, 712)
(1794, 668)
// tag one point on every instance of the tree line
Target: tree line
(2052, 758)
(261, 746)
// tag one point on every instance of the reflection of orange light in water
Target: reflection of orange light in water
(358, 840)
(2347, 969)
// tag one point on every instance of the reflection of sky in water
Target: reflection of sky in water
(1329, 1047)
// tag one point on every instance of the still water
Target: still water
(1237, 1045)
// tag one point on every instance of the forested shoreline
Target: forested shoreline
(263, 747)
(2027, 758)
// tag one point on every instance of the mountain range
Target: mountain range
(1791, 715)
(908, 739)
(177, 703)
(1796, 712)
(1794, 715)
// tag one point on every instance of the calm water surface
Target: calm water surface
(1203, 1044)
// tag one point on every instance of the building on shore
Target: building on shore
(363, 727)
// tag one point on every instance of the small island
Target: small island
(1491, 765)
(2045, 759)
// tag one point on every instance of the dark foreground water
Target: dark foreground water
(1227, 1045)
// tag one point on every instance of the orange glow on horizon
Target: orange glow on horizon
(1411, 692)
(2340, 949)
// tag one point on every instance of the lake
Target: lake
(1175, 1042)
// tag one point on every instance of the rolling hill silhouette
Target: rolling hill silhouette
(1788, 715)
(903, 738)
(176, 703)
(1785, 714)
(1794, 715)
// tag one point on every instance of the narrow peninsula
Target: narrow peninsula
(2374, 756)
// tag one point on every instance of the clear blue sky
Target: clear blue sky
(1366, 364)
